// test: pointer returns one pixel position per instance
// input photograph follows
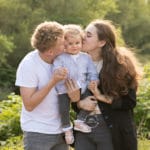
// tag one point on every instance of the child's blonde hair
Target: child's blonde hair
(72, 30)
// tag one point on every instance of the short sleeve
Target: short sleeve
(26, 75)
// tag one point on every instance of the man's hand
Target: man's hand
(73, 90)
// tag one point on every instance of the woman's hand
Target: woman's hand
(88, 103)
(73, 90)
(96, 92)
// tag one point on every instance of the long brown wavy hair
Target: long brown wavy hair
(120, 70)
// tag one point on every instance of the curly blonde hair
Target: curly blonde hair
(46, 34)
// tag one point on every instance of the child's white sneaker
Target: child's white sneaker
(81, 126)
(69, 137)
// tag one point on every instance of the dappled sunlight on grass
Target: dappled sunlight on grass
(144, 145)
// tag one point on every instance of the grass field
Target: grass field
(142, 145)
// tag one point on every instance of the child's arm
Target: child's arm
(91, 70)
(58, 66)
(93, 88)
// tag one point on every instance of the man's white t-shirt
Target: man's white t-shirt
(45, 118)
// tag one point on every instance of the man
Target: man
(40, 118)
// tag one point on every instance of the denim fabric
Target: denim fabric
(99, 139)
(39, 141)
(64, 107)
(82, 115)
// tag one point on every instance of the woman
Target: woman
(118, 85)
(100, 137)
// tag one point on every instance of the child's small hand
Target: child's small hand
(93, 87)
(98, 95)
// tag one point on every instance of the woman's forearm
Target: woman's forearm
(102, 97)
(105, 99)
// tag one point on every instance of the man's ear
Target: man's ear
(102, 43)
(50, 52)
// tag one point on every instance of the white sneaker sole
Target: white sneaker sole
(77, 129)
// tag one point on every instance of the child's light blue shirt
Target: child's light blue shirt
(80, 68)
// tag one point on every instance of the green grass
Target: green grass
(16, 144)
(144, 145)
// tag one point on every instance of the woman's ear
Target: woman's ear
(102, 43)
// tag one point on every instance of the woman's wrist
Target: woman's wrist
(97, 94)
(103, 98)
(109, 99)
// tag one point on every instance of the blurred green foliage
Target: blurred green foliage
(142, 111)
(18, 18)
(10, 117)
